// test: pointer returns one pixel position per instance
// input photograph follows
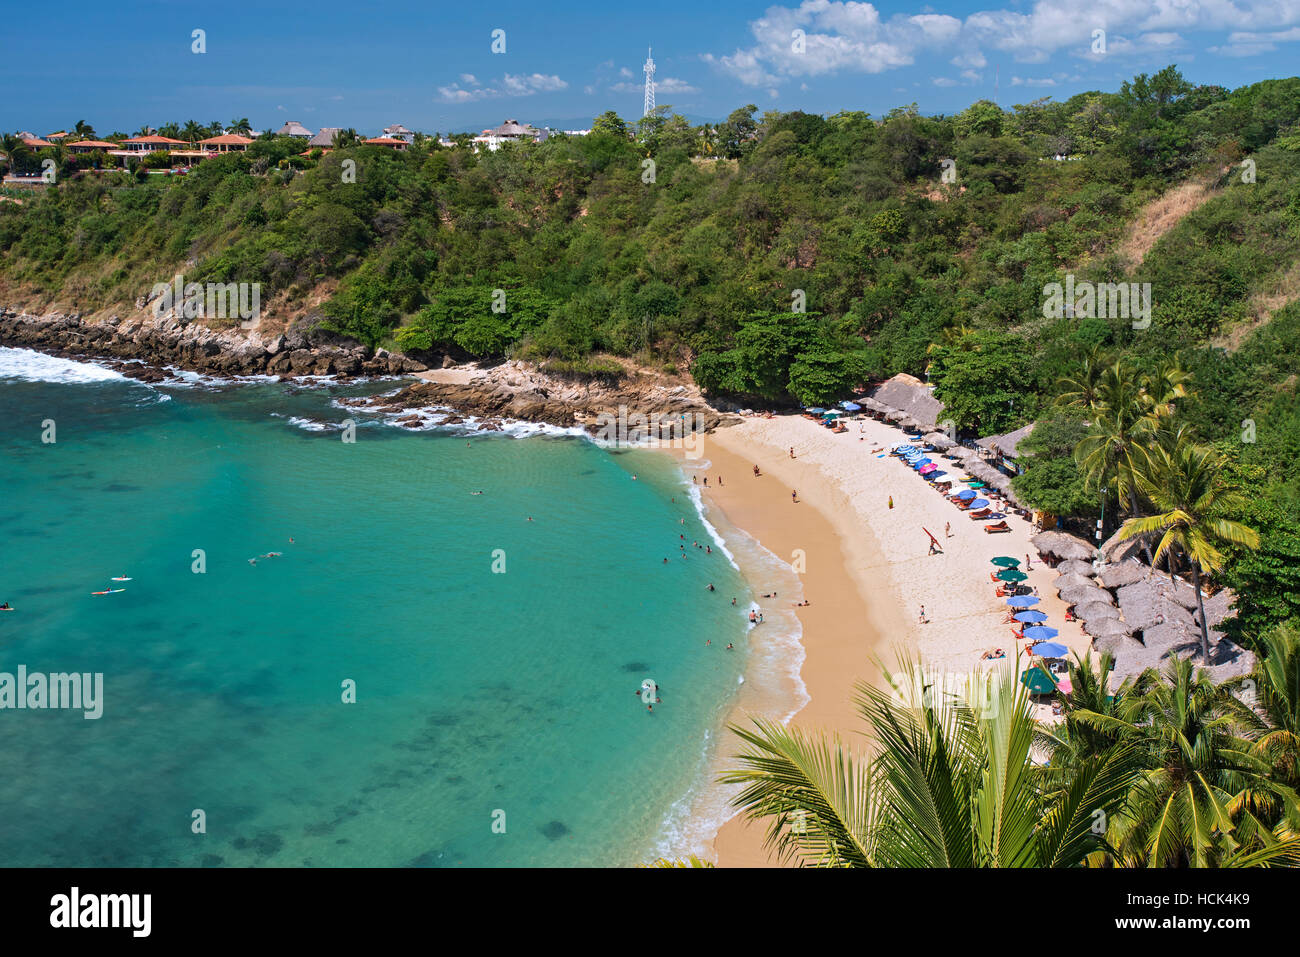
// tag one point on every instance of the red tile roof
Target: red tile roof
(94, 144)
(37, 144)
(227, 139)
(154, 139)
(386, 141)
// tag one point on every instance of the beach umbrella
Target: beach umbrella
(975, 484)
(1040, 633)
(1050, 649)
(1023, 601)
(966, 494)
(1030, 617)
(931, 476)
(927, 469)
(1065, 686)
(917, 463)
(1076, 566)
(979, 503)
(1037, 681)
(851, 406)
(1011, 575)
(815, 410)
(1006, 561)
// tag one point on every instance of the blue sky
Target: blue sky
(430, 65)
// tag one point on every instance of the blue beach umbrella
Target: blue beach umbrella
(851, 406)
(966, 494)
(1051, 649)
(979, 503)
(1040, 633)
(920, 463)
(1030, 617)
(934, 475)
(816, 410)
(1023, 601)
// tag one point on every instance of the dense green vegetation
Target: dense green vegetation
(788, 257)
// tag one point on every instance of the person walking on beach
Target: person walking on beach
(891, 501)
(947, 529)
(792, 451)
(1029, 566)
(706, 481)
(794, 496)
(719, 479)
(921, 619)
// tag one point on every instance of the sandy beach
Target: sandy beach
(867, 568)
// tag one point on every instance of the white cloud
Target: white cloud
(508, 85)
(854, 37)
(624, 71)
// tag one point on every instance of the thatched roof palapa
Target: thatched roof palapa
(1106, 627)
(1062, 545)
(912, 396)
(1125, 573)
(1096, 611)
(1076, 566)
(1070, 579)
(939, 440)
(1082, 594)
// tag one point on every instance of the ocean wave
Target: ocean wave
(435, 419)
(28, 365)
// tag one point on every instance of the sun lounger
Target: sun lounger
(999, 527)
(982, 513)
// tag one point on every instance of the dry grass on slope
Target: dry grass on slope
(1161, 215)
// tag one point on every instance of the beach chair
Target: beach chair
(982, 513)
(999, 527)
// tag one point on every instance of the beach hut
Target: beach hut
(1106, 627)
(1121, 646)
(1125, 573)
(1071, 579)
(1081, 595)
(1091, 611)
(1144, 606)
(939, 441)
(1062, 545)
(1076, 566)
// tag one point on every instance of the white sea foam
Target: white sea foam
(28, 365)
(435, 418)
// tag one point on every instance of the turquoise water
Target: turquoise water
(477, 692)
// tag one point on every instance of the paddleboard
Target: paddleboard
(110, 591)
(121, 578)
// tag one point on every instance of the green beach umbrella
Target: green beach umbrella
(1011, 575)
(1037, 681)
(1006, 561)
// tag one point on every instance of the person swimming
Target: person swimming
(711, 586)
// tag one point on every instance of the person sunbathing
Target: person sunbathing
(995, 653)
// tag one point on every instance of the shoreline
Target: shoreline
(868, 571)
(846, 624)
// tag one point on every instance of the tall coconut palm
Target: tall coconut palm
(193, 131)
(170, 130)
(84, 130)
(1266, 703)
(16, 151)
(241, 126)
(1071, 740)
(1184, 808)
(1185, 485)
(145, 130)
(1083, 390)
(949, 783)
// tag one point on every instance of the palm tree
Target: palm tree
(16, 151)
(708, 140)
(1083, 391)
(1268, 709)
(950, 783)
(1185, 809)
(1072, 739)
(170, 130)
(1184, 482)
(145, 130)
(84, 130)
(345, 138)
(241, 126)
